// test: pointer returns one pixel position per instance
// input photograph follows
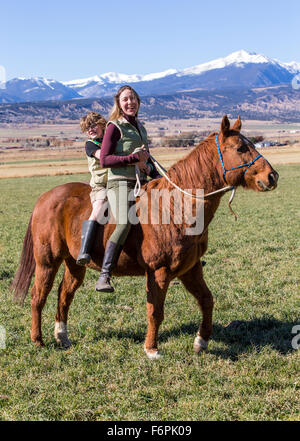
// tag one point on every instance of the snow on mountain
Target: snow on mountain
(117, 78)
(83, 81)
(36, 89)
(292, 67)
(227, 70)
(236, 58)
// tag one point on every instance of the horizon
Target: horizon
(63, 41)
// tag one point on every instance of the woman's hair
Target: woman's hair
(92, 119)
(116, 111)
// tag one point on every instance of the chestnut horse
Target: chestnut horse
(161, 252)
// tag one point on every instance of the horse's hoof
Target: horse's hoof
(153, 354)
(200, 345)
(38, 341)
(63, 341)
(61, 335)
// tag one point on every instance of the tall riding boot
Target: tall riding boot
(89, 228)
(110, 259)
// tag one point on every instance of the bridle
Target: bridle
(248, 164)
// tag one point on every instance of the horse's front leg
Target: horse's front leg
(157, 285)
(195, 284)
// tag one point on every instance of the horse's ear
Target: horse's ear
(225, 126)
(237, 125)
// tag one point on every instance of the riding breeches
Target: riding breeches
(119, 194)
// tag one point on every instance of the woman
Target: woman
(124, 146)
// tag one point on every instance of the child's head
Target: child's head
(93, 124)
(119, 107)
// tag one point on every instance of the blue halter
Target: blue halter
(239, 166)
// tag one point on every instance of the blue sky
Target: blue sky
(66, 39)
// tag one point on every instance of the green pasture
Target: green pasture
(250, 372)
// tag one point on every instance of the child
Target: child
(93, 124)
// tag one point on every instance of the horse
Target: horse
(158, 251)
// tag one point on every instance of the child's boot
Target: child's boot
(89, 228)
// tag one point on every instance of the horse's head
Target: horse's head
(242, 164)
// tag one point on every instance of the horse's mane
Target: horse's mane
(197, 169)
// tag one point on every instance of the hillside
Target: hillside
(281, 103)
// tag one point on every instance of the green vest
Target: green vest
(98, 174)
(129, 141)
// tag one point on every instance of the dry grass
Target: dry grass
(61, 161)
(70, 161)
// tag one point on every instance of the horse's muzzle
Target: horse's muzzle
(273, 179)
(272, 182)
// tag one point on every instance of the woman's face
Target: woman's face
(128, 103)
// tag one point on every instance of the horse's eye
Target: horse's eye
(243, 149)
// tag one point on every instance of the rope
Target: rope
(163, 171)
(137, 187)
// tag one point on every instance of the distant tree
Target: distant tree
(255, 139)
(184, 139)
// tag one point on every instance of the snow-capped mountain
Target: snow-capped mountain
(35, 89)
(109, 82)
(238, 59)
(293, 67)
(239, 70)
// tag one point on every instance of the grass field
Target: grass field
(250, 372)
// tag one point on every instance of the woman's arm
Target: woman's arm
(109, 144)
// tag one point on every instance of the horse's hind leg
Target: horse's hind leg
(43, 282)
(73, 278)
(195, 284)
(157, 285)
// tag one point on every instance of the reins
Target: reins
(163, 171)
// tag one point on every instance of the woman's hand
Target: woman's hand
(143, 154)
(144, 168)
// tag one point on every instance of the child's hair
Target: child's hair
(116, 111)
(92, 119)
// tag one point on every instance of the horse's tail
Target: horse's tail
(24, 274)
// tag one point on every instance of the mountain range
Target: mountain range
(240, 70)
(280, 103)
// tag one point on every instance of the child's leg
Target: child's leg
(99, 204)
(98, 199)
(98, 210)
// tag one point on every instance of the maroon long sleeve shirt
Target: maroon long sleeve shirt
(109, 159)
(111, 137)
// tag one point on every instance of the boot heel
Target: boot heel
(110, 259)
(103, 285)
